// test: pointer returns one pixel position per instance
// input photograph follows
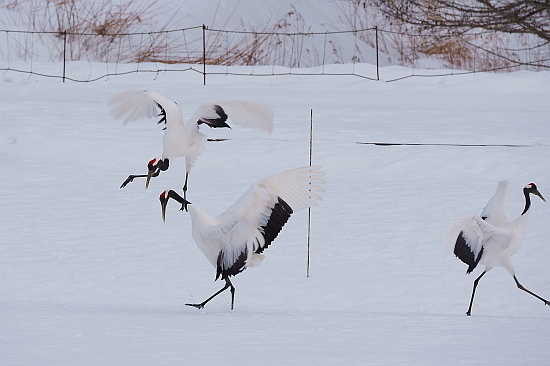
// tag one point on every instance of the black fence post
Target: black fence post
(376, 40)
(64, 53)
(204, 28)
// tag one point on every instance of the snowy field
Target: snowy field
(90, 275)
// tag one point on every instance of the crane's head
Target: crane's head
(154, 166)
(532, 188)
(166, 195)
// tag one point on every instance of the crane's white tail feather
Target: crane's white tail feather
(249, 115)
(132, 105)
(254, 260)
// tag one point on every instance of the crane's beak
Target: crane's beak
(164, 196)
(538, 194)
(163, 204)
(149, 175)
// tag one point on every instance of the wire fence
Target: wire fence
(87, 57)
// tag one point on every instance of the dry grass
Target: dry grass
(102, 31)
(95, 30)
(270, 45)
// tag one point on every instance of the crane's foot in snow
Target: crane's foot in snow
(198, 306)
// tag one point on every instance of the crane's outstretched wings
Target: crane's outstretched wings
(250, 115)
(132, 105)
(252, 223)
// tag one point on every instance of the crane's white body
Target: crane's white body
(185, 139)
(498, 243)
(493, 232)
(239, 229)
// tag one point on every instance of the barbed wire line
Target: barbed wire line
(71, 33)
(295, 51)
(290, 33)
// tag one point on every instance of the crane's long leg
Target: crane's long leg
(520, 286)
(469, 312)
(228, 284)
(184, 206)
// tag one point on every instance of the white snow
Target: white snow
(90, 275)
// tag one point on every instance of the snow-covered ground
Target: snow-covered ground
(90, 275)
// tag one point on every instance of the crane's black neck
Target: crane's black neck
(172, 194)
(527, 200)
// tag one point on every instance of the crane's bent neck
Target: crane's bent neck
(527, 201)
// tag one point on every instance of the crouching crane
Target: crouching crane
(236, 239)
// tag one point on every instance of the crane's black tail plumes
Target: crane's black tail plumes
(465, 254)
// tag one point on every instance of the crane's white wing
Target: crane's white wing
(472, 238)
(251, 115)
(255, 220)
(299, 188)
(495, 210)
(132, 105)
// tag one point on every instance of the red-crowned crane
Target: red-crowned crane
(491, 239)
(184, 139)
(236, 239)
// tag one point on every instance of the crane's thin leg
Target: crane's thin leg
(520, 286)
(184, 207)
(228, 284)
(469, 312)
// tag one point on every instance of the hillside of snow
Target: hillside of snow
(90, 275)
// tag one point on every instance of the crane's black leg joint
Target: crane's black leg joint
(469, 312)
(520, 286)
(228, 284)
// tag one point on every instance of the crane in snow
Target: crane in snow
(491, 239)
(236, 239)
(184, 139)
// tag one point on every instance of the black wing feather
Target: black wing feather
(279, 216)
(216, 122)
(280, 213)
(235, 269)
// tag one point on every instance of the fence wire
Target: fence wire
(88, 57)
